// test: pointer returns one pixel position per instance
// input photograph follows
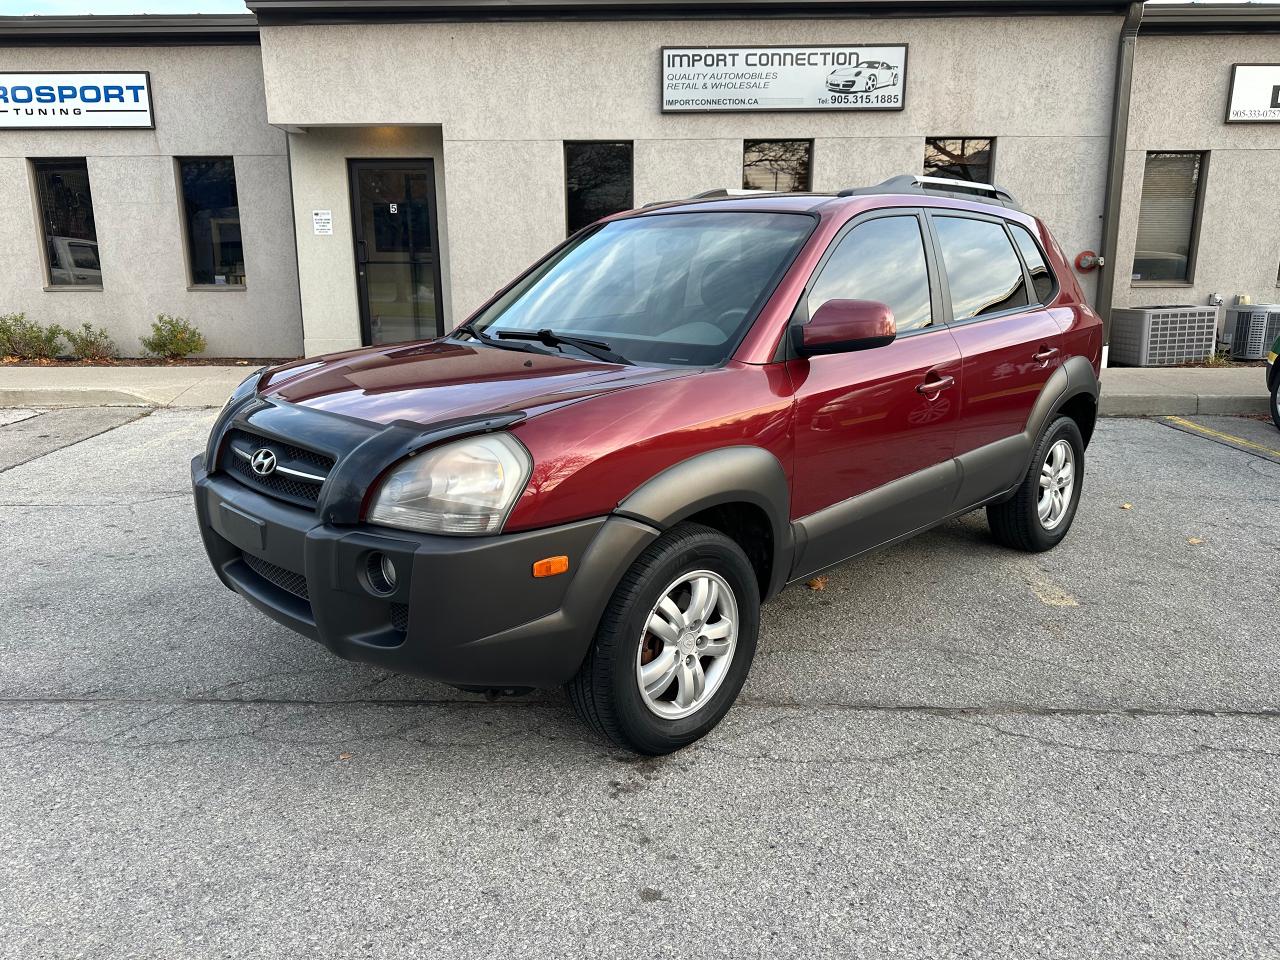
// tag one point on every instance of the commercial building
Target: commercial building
(329, 174)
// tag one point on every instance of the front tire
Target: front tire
(675, 644)
(1040, 512)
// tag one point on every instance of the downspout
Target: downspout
(1115, 163)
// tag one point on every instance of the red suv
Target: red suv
(597, 478)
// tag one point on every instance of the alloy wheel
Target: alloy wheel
(688, 643)
(1057, 483)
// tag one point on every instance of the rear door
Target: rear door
(1009, 342)
(875, 429)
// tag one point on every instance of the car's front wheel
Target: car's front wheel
(675, 643)
(1040, 512)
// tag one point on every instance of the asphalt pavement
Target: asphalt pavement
(949, 750)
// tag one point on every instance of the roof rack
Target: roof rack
(939, 186)
(719, 193)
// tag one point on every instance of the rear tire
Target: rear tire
(1040, 512)
(1275, 401)
(708, 650)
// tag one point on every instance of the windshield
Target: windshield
(678, 288)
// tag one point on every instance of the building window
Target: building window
(66, 216)
(1168, 218)
(597, 181)
(778, 165)
(212, 212)
(963, 158)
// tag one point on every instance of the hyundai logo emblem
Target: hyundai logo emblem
(263, 462)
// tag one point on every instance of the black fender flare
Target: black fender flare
(738, 474)
(1073, 378)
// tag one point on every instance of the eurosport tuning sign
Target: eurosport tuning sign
(59, 100)
(824, 77)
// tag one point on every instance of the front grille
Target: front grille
(276, 483)
(286, 580)
(400, 616)
(240, 446)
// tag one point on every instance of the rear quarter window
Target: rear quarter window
(1042, 278)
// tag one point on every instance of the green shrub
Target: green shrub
(90, 344)
(28, 340)
(173, 337)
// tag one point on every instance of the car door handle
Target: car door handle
(931, 388)
(1046, 354)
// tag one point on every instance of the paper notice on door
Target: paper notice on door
(322, 222)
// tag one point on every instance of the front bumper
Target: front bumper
(465, 610)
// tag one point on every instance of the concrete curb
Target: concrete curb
(1179, 405)
(71, 397)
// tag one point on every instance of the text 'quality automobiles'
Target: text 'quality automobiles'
(599, 476)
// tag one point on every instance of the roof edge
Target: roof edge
(1202, 18)
(289, 12)
(130, 30)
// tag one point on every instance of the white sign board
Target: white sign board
(322, 223)
(63, 100)
(1255, 93)
(826, 77)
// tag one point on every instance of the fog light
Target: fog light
(381, 572)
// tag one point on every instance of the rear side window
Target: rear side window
(983, 272)
(1041, 278)
(882, 260)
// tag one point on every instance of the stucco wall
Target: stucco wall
(208, 101)
(506, 95)
(1180, 90)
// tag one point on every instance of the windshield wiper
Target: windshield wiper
(470, 327)
(596, 348)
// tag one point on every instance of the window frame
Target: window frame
(42, 227)
(185, 224)
(991, 155)
(800, 313)
(564, 179)
(1197, 216)
(808, 140)
(1031, 303)
(1026, 269)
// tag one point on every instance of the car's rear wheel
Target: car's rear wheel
(1040, 512)
(675, 643)
(1275, 401)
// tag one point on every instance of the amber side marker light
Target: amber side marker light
(551, 566)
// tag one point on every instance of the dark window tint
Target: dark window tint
(983, 272)
(598, 181)
(880, 260)
(1167, 217)
(66, 213)
(214, 247)
(782, 165)
(960, 158)
(1041, 278)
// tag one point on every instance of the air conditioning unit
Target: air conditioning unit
(1250, 330)
(1162, 336)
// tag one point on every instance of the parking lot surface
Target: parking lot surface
(949, 750)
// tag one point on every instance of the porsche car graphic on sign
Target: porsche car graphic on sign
(824, 77)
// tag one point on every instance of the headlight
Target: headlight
(467, 487)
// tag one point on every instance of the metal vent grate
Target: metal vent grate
(286, 580)
(1253, 330)
(400, 616)
(1162, 336)
(281, 486)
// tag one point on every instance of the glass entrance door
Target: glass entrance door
(397, 263)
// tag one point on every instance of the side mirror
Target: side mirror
(840, 326)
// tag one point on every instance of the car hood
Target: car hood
(847, 72)
(446, 379)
